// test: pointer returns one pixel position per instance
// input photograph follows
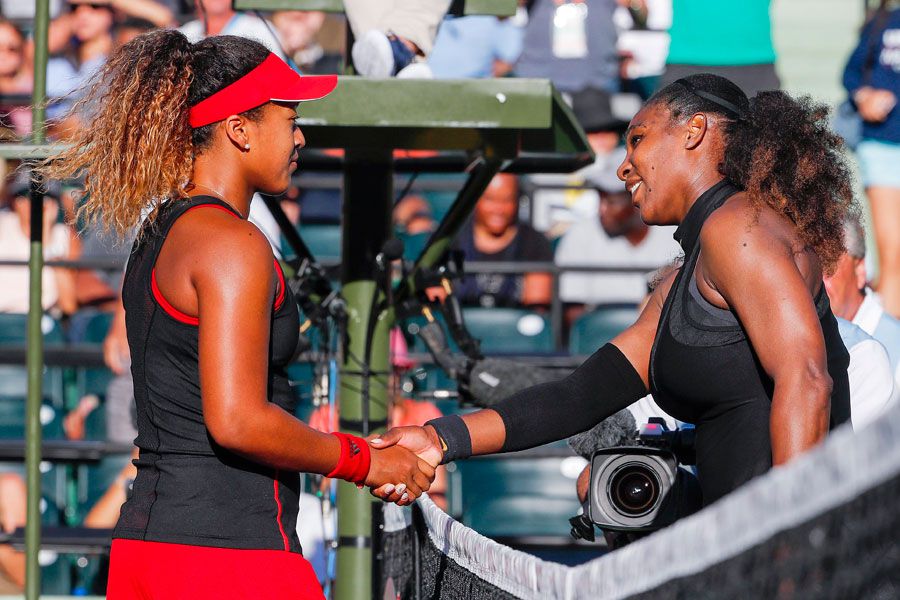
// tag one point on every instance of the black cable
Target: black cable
(406, 188)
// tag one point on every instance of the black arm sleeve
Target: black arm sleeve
(604, 384)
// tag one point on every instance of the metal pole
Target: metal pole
(35, 356)
(368, 196)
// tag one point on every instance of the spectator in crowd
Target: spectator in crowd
(412, 216)
(616, 237)
(731, 39)
(16, 79)
(572, 43)
(476, 46)
(217, 17)
(60, 243)
(869, 372)
(90, 25)
(853, 301)
(126, 30)
(561, 200)
(393, 37)
(495, 234)
(298, 30)
(872, 78)
(643, 45)
(13, 503)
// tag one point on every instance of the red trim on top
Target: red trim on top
(280, 298)
(278, 515)
(170, 310)
(217, 206)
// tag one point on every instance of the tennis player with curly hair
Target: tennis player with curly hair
(740, 340)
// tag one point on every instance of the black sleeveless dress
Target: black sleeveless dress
(188, 489)
(703, 369)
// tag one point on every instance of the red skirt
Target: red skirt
(151, 570)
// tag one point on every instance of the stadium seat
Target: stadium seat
(593, 329)
(413, 244)
(324, 241)
(509, 330)
(14, 378)
(95, 478)
(12, 418)
(502, 496)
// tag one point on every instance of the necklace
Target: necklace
(216, 193)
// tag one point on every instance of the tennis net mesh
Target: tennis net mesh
(825, 526)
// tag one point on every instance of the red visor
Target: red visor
(272, 80)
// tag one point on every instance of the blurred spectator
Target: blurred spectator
(594, 112)
(643, 45)
(872, 78)
(86, 32)
(495, 234)
(871, 381)
(615, 237)
(13, 511)
(128, 29)
(561, 200)
(477, 46)
(731, 39)
(16, 79)
(217, 17)
(572, 43)
(853, 301)
(413, 216)
(393, 36)
(298, 30)
(60, 243)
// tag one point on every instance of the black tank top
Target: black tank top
(703, 369)
(189, 490)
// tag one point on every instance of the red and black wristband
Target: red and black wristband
(356, 457)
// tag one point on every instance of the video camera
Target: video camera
(640, 488)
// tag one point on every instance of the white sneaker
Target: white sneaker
(416, 70)
(372, 55)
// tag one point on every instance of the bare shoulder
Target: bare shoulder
(743, 231)
(218, 238)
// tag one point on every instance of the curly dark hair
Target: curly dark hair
(780, 151)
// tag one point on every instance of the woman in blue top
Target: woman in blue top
(872, 78)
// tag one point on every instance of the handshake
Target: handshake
(403, 461)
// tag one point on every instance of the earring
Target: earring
(246, 146)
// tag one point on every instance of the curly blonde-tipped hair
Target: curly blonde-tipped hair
(134, 150)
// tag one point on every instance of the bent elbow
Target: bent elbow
(224, 434)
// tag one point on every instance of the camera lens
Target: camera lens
(634, 490)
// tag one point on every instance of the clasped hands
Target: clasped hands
(403, 463)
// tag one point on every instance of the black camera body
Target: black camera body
(642, 487)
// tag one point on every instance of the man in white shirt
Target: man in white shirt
(870, 375)
(852, 300)
(616, 238)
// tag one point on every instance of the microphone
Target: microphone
(618, 429)
(390, 251)
(491, 380)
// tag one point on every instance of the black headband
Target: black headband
(732, 108)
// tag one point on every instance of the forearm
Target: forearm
(799, 417)
(271, 436)
(604, 384)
